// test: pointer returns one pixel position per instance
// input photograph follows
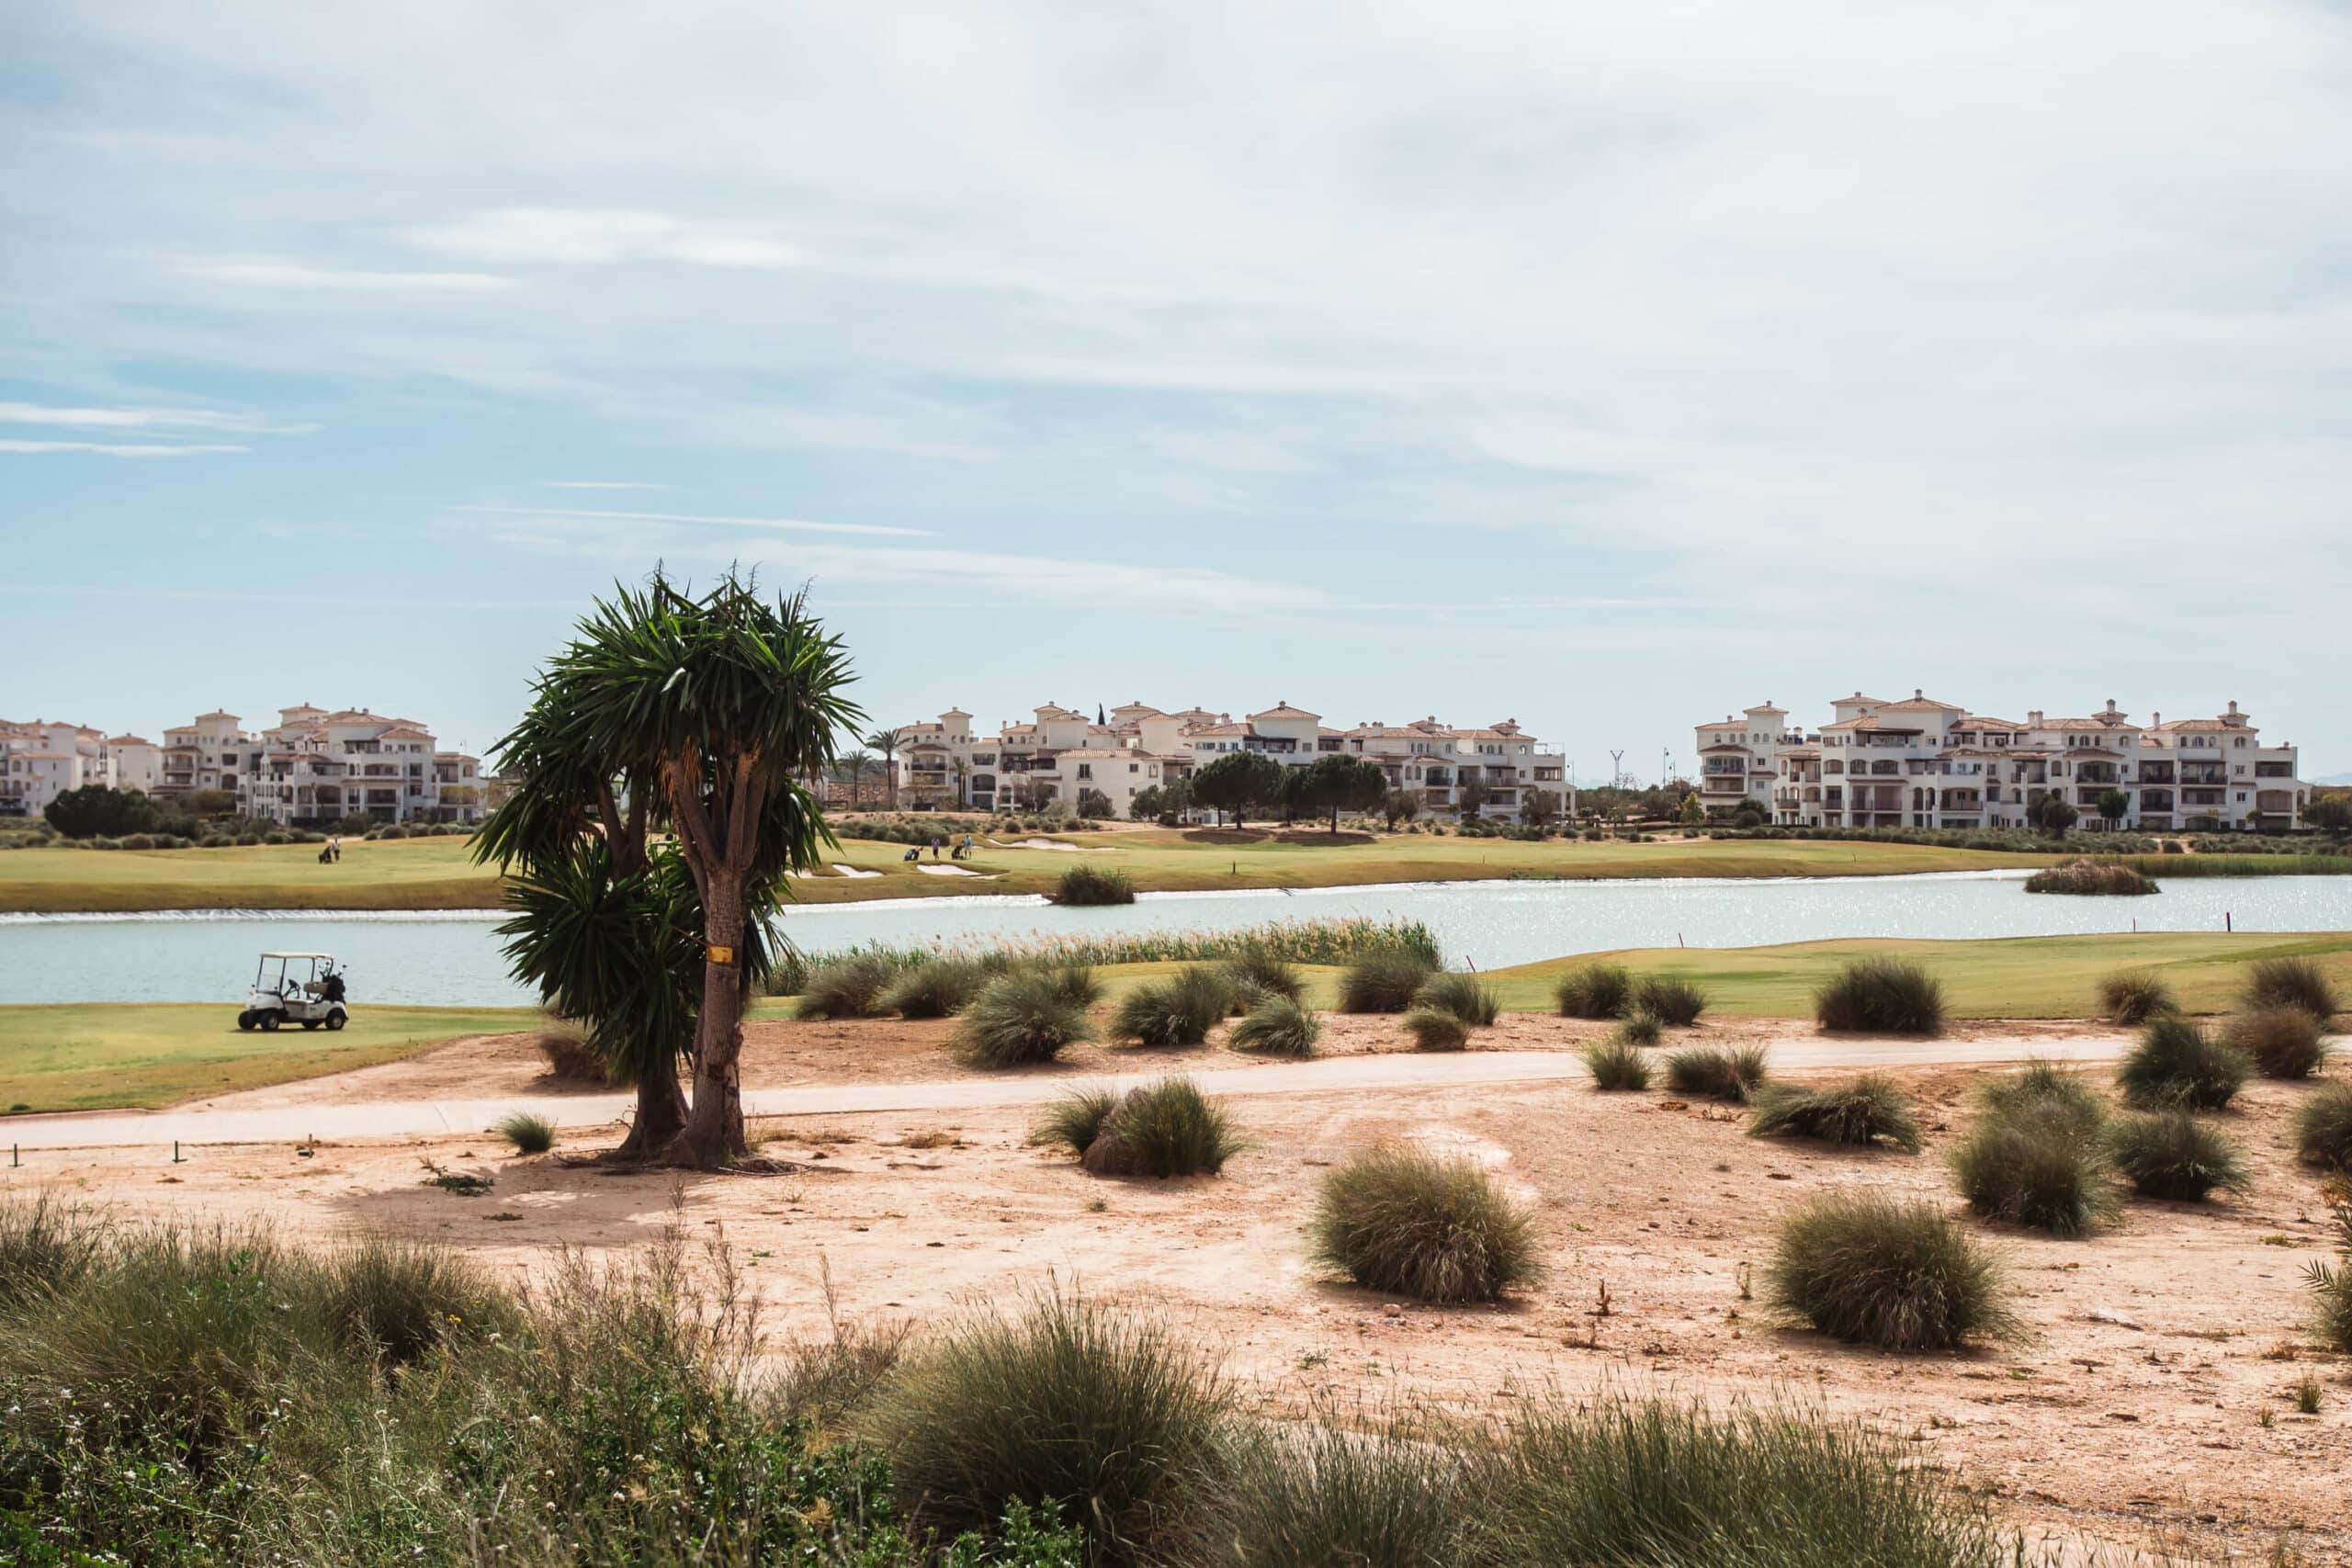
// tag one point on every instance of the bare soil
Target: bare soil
(2135, 1411)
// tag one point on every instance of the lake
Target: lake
(453, 959)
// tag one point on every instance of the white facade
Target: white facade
(317, 767)
(41, 761)
(1058, 751)
(1920, 762)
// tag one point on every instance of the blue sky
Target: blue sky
(1606, 367)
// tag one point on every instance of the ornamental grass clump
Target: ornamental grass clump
(849, 987)
(2049, 1089)
(1639, 1029)
(1719, 1072)
(1178, 1010)
(1863, 1112)
(2177, 1065)
(1279, 1027)
(2331, 1284)
(1467, 996)
(1258, 971)
(2281, 1042)
(1022, 1017)
(1903, 1276)
(2037, 1164)
(1617, 1066)
(1094, 886)
(2323, 1127)
(1439, 1229)
(1670, 1000)
(1163, 1129)
(2132, 997)
(2291, 981)
(1106, 1416)
(1382, 1489)
(2093, 878)
(1880, 995)
(47, 1244)
(936, 988)
(1433, 1029)
(2172, 1154)
(527, 1133)
(1073, 1120)
(1594, 990)
(1381, 980)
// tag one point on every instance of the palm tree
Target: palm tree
(886, 740)
(713, 708)
(854, 765)
(963, 771)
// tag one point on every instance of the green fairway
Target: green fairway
(87, 1057)
(2052, 977)
(438, 873)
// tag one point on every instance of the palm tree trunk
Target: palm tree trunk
(714, 1129)
(660, 1117)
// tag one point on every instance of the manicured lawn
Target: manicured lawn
(86, 1057)
(2054, 977)
(399, 874)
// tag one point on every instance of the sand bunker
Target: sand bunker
(1054, 844)
(841, 870)
(931, 870)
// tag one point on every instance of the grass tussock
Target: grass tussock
(1388, 1490)
(1863, 1112)
(1106, 1416)
(1594, 990)
(1073, 1120)
(1022, 1017)
(1861, 1265)
(1257, 971)
(939, 986)
(1094, 886)
(572, 1057)
(1400, 1219)
(2050, 1089)
(2035, 1165)
(852, 986)
(1178, 1010)
(2176, 1064)
(1617, 1066)
(1279, 1026)
(2281, 1042)
(2093, 878)
(2323, 1127)
(1433, 1029)
(2172, 1154)
(1383, 980)
(47, 1244)
(1880, 995)
(1670, 1000)
(1638, 1029)
(1464, 996)
(2291, 983)
(2132, 997)
(1162, 1129)
(526, 1134)
(1719, 1072)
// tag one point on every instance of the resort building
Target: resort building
(313, 767)
(41, 761)
(1921, 762)
(1060, 753)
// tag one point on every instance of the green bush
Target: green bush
(1880, 995)
(1865, 1110)
(1092, 886)
(2294, 982)
(1106, 1416)
(2174, 1155)
(1719, 1072)
(1617, 1065)
(1178, 1010)
(2049, 1089)
(1467, 996)
(2323, 1127)
(1595, 990)
(1434, 1029)
(528, 1134)
(936, 988)
(1861, 1265)
(2330, 1283)
(1645, 1483)
(1639, 1029)
(849, 987)
(1022, 1017)
(2033, 1165)
(1168, 1128)
(1383, 980)
(2133, 997)
(1278, 1026)
(1398, 1219)
(2176, 1062)
(2281, 1042)
(1670, 1000)
(1256, 970)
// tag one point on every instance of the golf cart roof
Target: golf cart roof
(297, 955)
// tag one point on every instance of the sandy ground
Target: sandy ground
(2136, 1407)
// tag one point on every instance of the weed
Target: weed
(2307, 1395)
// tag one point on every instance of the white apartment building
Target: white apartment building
(314, 766)
(1060, 752)
(1920, 762)
(41, 761)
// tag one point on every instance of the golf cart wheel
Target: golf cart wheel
(270, 1021)
(309, 1023)
(245, 1020)
(334, 1021)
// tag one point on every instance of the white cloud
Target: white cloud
(134, 418)
(601, 484)
(331, 279)
(783, 525)
(118, 449)
(561, 236)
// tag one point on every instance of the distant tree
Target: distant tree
(855, 765)
(1028, 794)
(2055, 815)
(1237, 782)
(1093, 803)
(963, 771)
(1471, 798)
(1400, 805)
(2331, 813)
(1538, 807)
(208, 803)
(885, 741)
(1295, 797)
(97, 811)
(1341, 783)
(2114, 804)
(1749, 814)
(1143, 805)
(1692, 815)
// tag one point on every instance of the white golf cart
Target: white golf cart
(294, 988)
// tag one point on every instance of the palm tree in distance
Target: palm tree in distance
(886, 740)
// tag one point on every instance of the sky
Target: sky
(1605, 367)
